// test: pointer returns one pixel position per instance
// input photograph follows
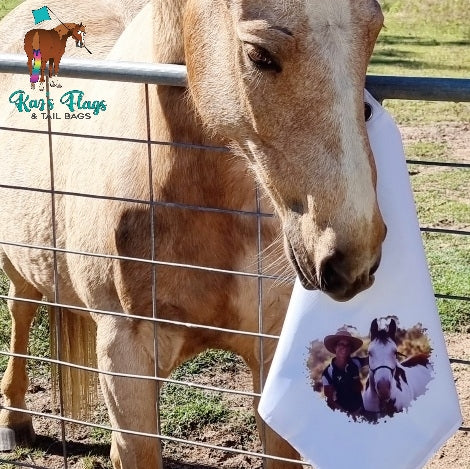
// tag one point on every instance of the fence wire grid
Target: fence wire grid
(380, 87)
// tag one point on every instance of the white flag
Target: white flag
(367, 383)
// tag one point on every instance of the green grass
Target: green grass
(185, 409)
(204, 361)
(427, 151)
(20, 454)
(432, 38)
(449, 261)
(39, 336)
(424, 38)
(441, 196)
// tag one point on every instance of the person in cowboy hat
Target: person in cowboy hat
(341, 382)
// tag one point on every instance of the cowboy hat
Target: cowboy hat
(330, 341)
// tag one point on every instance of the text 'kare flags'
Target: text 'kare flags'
(41, 14)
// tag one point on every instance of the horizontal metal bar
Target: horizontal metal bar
(419, 88)
(135, 317)
(444, 231)
(156, 203)
(452, 297)
(439, 163)
(136, 72)
(381, 87)
(459, 361)
(204, 387)
(191, 146)
(154, 262)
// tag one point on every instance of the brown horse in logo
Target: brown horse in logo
(42, 45)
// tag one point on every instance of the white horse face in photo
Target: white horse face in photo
(383, 358)
(382, 363)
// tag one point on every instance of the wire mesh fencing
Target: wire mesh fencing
(146, 74)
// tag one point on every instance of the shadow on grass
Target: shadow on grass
(408, 60)
(53, 446)
(411, 59)
(419, 41)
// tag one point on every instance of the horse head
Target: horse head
(78, 33)
(74, 30)
(383, 359)
(284, 82)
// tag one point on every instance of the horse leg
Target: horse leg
(51, 69)
(41, 80)
(16, 428)
(56, 73)
(127, 347)
(30, 64)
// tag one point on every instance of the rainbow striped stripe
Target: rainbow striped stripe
(36, 66)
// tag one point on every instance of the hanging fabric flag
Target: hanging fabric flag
(41, 14)
(367, 383)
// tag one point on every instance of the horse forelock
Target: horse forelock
(382, 336)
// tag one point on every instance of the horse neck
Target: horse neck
(168, 31)
(180, 123)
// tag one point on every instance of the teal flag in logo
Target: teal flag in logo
(41, 14)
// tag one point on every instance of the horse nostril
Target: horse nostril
(331, 277)
(297, 206)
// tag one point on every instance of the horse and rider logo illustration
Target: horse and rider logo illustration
(48, 45)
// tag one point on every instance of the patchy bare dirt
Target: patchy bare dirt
(237, 433)
(455, 136)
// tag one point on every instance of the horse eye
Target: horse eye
(262, 58)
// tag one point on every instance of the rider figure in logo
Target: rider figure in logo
(341, 381)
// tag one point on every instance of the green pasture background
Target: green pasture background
(420, 38)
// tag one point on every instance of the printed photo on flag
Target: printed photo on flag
(374, 375)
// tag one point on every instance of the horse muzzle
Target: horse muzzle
(332, 276)
(383, 389)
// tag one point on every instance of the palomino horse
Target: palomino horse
(43, 45)
(392, 386)
(282, 84)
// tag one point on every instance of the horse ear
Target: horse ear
(80, 25)
(392, 329)
(374, 329)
